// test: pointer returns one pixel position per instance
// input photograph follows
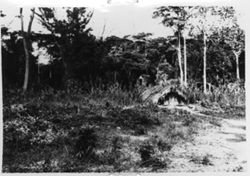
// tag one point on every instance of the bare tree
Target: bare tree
(176, 18)
(26, 44)
(205, 22)
(235, 38)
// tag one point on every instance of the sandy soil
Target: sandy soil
(215, 149)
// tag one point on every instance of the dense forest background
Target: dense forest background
(75, 54)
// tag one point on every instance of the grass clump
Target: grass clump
(203, 160)
(151, 156)
(86, 143)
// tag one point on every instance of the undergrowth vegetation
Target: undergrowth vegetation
(227, 95)
(102, 130)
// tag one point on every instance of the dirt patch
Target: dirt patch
(214, 149)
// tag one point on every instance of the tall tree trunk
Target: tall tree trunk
(185, 61)
(38, 73)
(205, 62)
(179, 57)
(66, 72)
(237, 55)
(25, 46)
(115, 77)
(26, 74)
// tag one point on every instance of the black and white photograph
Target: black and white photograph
(134, 86)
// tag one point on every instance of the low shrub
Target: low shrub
(204, 160)
(152, 156)
(86, 143)
(232, 94)
(118, 154)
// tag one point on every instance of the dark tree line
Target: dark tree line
(96, 62)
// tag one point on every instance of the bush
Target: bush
(232, 94)
(114, 154)
(146, 151)
(152, 156)
(204, 160)
(118, 154)
(86, 143)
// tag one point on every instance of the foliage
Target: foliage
(205, 160)
(53, 131)
(95, 62)
(69, 39)
(152, 156)
(86, 143)
(231, 94)
(175, 18)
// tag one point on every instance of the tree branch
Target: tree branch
(31, 20)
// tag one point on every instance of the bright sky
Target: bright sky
(122, 17)
(127, 19)
(119, 20)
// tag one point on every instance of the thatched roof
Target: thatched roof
(153, 94)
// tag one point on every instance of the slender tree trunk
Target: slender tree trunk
(185, 61)
(205, 63)
(103, 29)
(115, 77)
(25, 45)
(66, 72)
(179, 58)
(237, 55)
(50, 73)
(38, 73)
(26, 74)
